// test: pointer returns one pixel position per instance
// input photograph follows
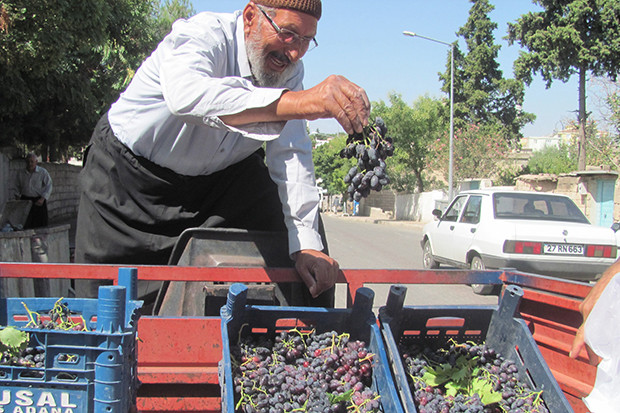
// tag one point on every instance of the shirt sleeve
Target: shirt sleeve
(196, 83)
(289, 160)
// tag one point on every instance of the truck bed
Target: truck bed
(178, 356)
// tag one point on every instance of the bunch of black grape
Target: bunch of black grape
(28, 357)
(303, 372)
(58, 318)
(482, 367)
(371, 148)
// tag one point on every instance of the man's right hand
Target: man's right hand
(335, 97)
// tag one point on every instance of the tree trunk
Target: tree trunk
(582, 119)
(419, 182)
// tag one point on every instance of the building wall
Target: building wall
(418, 207)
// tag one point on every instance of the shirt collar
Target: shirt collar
(242, 56)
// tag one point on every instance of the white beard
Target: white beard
(263, 76)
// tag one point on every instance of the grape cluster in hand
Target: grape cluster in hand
(303, 372)
(487, 366)
(371, 148)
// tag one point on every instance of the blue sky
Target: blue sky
(363, 41)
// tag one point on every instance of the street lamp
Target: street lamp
(451, 159)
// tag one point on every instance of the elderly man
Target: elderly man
(33, 183)
(183, 145)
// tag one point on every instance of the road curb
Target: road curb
(380, 221)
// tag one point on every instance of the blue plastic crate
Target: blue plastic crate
(359, 322)
(498, 326)
(84, 371)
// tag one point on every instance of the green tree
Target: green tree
(481, 94)
(569, 37)
(552, 160)
(603, 149)
(613, 100)
(171, 11)
(412, 129)
(607, 97)
(330, 167)
(479, 151)
(62, 64)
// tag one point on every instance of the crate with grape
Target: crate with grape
(452, 359)
(304, 359)
(71, 354)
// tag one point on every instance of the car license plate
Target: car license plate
(564, 249)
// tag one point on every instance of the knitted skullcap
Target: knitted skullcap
(311, 7)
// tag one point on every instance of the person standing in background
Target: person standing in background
(33, 183)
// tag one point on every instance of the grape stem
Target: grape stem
(30, 316)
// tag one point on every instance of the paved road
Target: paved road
(358, 243)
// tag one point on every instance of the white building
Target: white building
(537, 143)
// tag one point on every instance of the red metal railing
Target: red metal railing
(178, 356)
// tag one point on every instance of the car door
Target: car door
(442, 238)
(465, 230)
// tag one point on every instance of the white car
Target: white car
(539, 233)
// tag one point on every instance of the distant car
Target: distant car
(539, 233)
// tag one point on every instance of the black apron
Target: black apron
(132, 211)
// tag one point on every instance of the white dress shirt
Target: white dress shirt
(33, 184)
(170, 112)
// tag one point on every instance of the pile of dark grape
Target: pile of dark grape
(28, 357)
(467, 377)
(303, 372)
(371, 148)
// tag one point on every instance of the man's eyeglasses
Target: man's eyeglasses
(289, 37)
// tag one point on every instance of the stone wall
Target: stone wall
(383, 200)
(64, 201)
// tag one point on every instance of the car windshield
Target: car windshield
(536, 206)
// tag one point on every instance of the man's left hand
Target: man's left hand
(318, 271)
(39, 201)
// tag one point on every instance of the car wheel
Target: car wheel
(427, 257)
(482, 289)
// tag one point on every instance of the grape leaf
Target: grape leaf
(13, 339)
(460, 374)
(437, 376)
(344, 397)
(484, 388)
(452, 388)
